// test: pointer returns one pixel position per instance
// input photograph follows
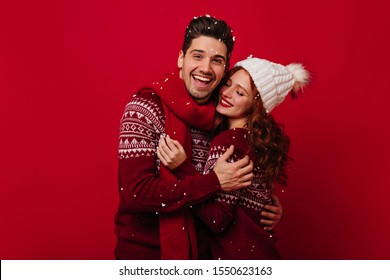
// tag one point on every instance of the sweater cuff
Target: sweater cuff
(185, 169)
(209, 183)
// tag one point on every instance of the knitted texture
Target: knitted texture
(143, 195)
(255, 196)
(274, 81)
(234, 217)
(181, 112)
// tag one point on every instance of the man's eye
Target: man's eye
(218, 61)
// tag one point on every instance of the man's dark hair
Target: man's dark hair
(211, 27)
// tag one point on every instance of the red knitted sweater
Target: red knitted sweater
(234, 217)
(142, 193)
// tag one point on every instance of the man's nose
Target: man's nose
(205, 65)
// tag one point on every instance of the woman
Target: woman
(251, 90)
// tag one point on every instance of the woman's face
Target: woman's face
(235, 98)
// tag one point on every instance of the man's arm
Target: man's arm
(217, 213)
(139, 183)
(272, 214)
(232, 176)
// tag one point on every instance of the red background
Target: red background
(67, 69)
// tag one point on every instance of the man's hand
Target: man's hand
(272, 214)
(235, 175)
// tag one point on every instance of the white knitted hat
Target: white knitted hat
(274, 81)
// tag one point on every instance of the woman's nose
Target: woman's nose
(227, 92)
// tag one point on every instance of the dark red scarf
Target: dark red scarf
(177, 229)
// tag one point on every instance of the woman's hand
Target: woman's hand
(170, 152)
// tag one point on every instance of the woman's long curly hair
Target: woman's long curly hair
(267, 138)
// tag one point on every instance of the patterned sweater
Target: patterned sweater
(234, 217)
(142, 194)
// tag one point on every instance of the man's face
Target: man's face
(203, 67)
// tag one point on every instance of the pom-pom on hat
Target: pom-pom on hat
(274, 81)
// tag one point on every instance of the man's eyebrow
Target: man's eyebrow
(202, 51)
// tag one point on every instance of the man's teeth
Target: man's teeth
(202, 78)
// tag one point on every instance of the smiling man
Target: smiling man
(202, 67)
(154, 219)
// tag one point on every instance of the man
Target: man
(154, 218)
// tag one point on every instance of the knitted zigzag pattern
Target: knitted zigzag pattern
(253, 197)
(142, 123)
(142, 119)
